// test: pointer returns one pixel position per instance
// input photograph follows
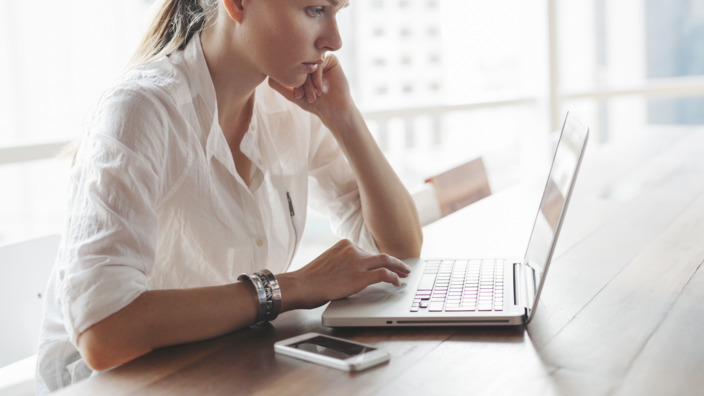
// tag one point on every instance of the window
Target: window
(381, 90)
(480, 76)
(379, 62)
(631, 65)
(466, 53)
(434, 86)
(674, 48)
(57, 58)
(434, 59)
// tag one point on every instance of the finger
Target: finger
(390, 263)
(288, 93)
(329, 62)
(342, 243)
(292, 94)
(311, 94)
(317, 80)
(298, 92)
(384, 275)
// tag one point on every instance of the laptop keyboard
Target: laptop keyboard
(460, 285)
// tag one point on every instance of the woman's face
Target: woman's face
(288, 39)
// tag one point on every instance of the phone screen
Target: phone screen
(331, 347)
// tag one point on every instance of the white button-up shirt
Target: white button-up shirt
(156, 201)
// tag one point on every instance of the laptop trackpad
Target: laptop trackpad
(381, 291)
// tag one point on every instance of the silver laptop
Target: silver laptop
(475, 292)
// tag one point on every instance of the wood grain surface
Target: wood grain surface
(621, 312)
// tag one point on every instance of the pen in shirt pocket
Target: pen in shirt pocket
(290, 204)
(292, 213)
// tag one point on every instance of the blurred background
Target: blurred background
(440, 82)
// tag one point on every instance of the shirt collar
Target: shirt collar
(202, 85)
(199, 75)
(203, 90)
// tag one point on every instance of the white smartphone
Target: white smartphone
(332, 351)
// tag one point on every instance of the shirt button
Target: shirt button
(260, 243)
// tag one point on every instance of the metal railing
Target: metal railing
(679, 87)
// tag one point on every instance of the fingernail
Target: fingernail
(325, 87)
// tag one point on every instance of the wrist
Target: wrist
(268, 294)
(343, 121)
(292, 292)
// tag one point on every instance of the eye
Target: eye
(315, 11)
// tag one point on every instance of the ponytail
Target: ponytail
(173, 27)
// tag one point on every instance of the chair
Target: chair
(24, 271)
(452, 190)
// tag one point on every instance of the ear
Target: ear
(235, 9)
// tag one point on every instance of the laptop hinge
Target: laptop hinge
(517, 285)
(524, 286)
(530, 283)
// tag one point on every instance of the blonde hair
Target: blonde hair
(175, 23)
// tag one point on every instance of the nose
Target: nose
(330, 39)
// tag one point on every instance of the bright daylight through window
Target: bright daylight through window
(440, 81)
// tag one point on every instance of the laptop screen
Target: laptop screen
(546, 228)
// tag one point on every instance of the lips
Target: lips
(311, 67)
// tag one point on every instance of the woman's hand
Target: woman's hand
(325, 92)
(388, 209)
(341, 271)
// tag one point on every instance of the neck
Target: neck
(234, 76)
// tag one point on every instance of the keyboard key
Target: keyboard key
(426, 282)
(461, 285)
(460, 309)
(437, 299)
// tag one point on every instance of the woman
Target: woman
(195, 175)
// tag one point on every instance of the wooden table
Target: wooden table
(622, 311)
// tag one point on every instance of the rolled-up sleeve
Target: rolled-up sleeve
(109, 245)
(334, 190)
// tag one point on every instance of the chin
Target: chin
(292, 81)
